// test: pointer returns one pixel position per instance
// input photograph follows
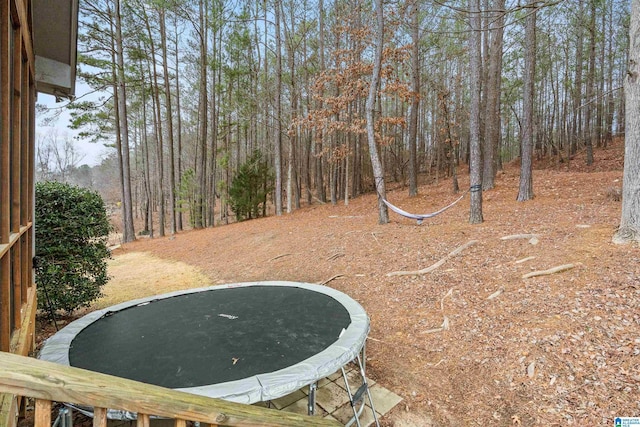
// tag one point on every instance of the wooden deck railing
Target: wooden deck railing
(48, 382)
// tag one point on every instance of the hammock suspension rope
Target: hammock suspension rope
(421, 217)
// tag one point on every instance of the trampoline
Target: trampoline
(242, 342)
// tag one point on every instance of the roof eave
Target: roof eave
(55, 38)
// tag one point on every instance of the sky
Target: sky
(92, 153)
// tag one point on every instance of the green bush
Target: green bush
(250, 187)
(71, 245)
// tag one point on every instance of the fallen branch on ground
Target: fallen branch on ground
(448, 294)
(496, 294)
(279, 256)
(396, 344)
(553, 270)
(520, 261)
(437, 264)
(330, 279)
(444, 327)
(519, 236)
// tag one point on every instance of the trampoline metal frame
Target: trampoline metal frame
(262, 387)
(356, 398)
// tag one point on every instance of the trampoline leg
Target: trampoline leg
(311, 405)
(64, 418)
(358, 396)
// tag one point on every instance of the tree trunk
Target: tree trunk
(475, 166)
(415, 100)
(145, 157)
(293, 196)
(577, 97)
(201, 165)
(157, 119)
(448, 136)
(128, 232)
(630, 220)
(320, 188)
(167, 94)
(493, 85)
(591, 73)
(378, 174)
(525, 191)
(179, 224)
(277, 152)
(611, 102)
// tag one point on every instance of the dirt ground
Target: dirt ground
(472, 342)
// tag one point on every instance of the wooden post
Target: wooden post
(25, 202)
(21, 344)
(180, 423)
(142, 420)
(16, 127)
(31, 179)
(99, 417)
(5, 176)
(42, 416)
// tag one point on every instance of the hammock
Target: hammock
(420, 217)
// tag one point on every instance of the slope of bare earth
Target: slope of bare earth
(472, 342)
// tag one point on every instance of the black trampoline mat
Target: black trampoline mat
(212, 336)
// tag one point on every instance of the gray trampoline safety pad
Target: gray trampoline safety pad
(258, 387)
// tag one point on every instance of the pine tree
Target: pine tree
(250, 187)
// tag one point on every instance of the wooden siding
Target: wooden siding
(17, 99)
(17, 113)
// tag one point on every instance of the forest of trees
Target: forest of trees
(191, 89)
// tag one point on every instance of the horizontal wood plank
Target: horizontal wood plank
(13, 238)
(44, 380)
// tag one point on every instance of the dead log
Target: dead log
(437, 264)
(330, 279)
(553, 270)
(519, 236)
(279, 256)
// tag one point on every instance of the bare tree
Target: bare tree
(320, 188)
(128, 233)
(630, 221)
(43, 159)
(526, 179)
(492, 135)
(169, 118)
(590, 90)
(475, 65)
(203, 113)
(65, 156)
(378, 174)
(56, 157)
(157, 120)
(278, 141)
(415, 101)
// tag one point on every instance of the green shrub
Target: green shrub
(71, 245)
(250, 187)
(187, 195)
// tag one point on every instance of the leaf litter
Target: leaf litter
(557, 349)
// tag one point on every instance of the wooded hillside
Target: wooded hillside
(477, 330)
(190, 89)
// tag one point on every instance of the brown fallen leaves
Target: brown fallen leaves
(557, 349)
